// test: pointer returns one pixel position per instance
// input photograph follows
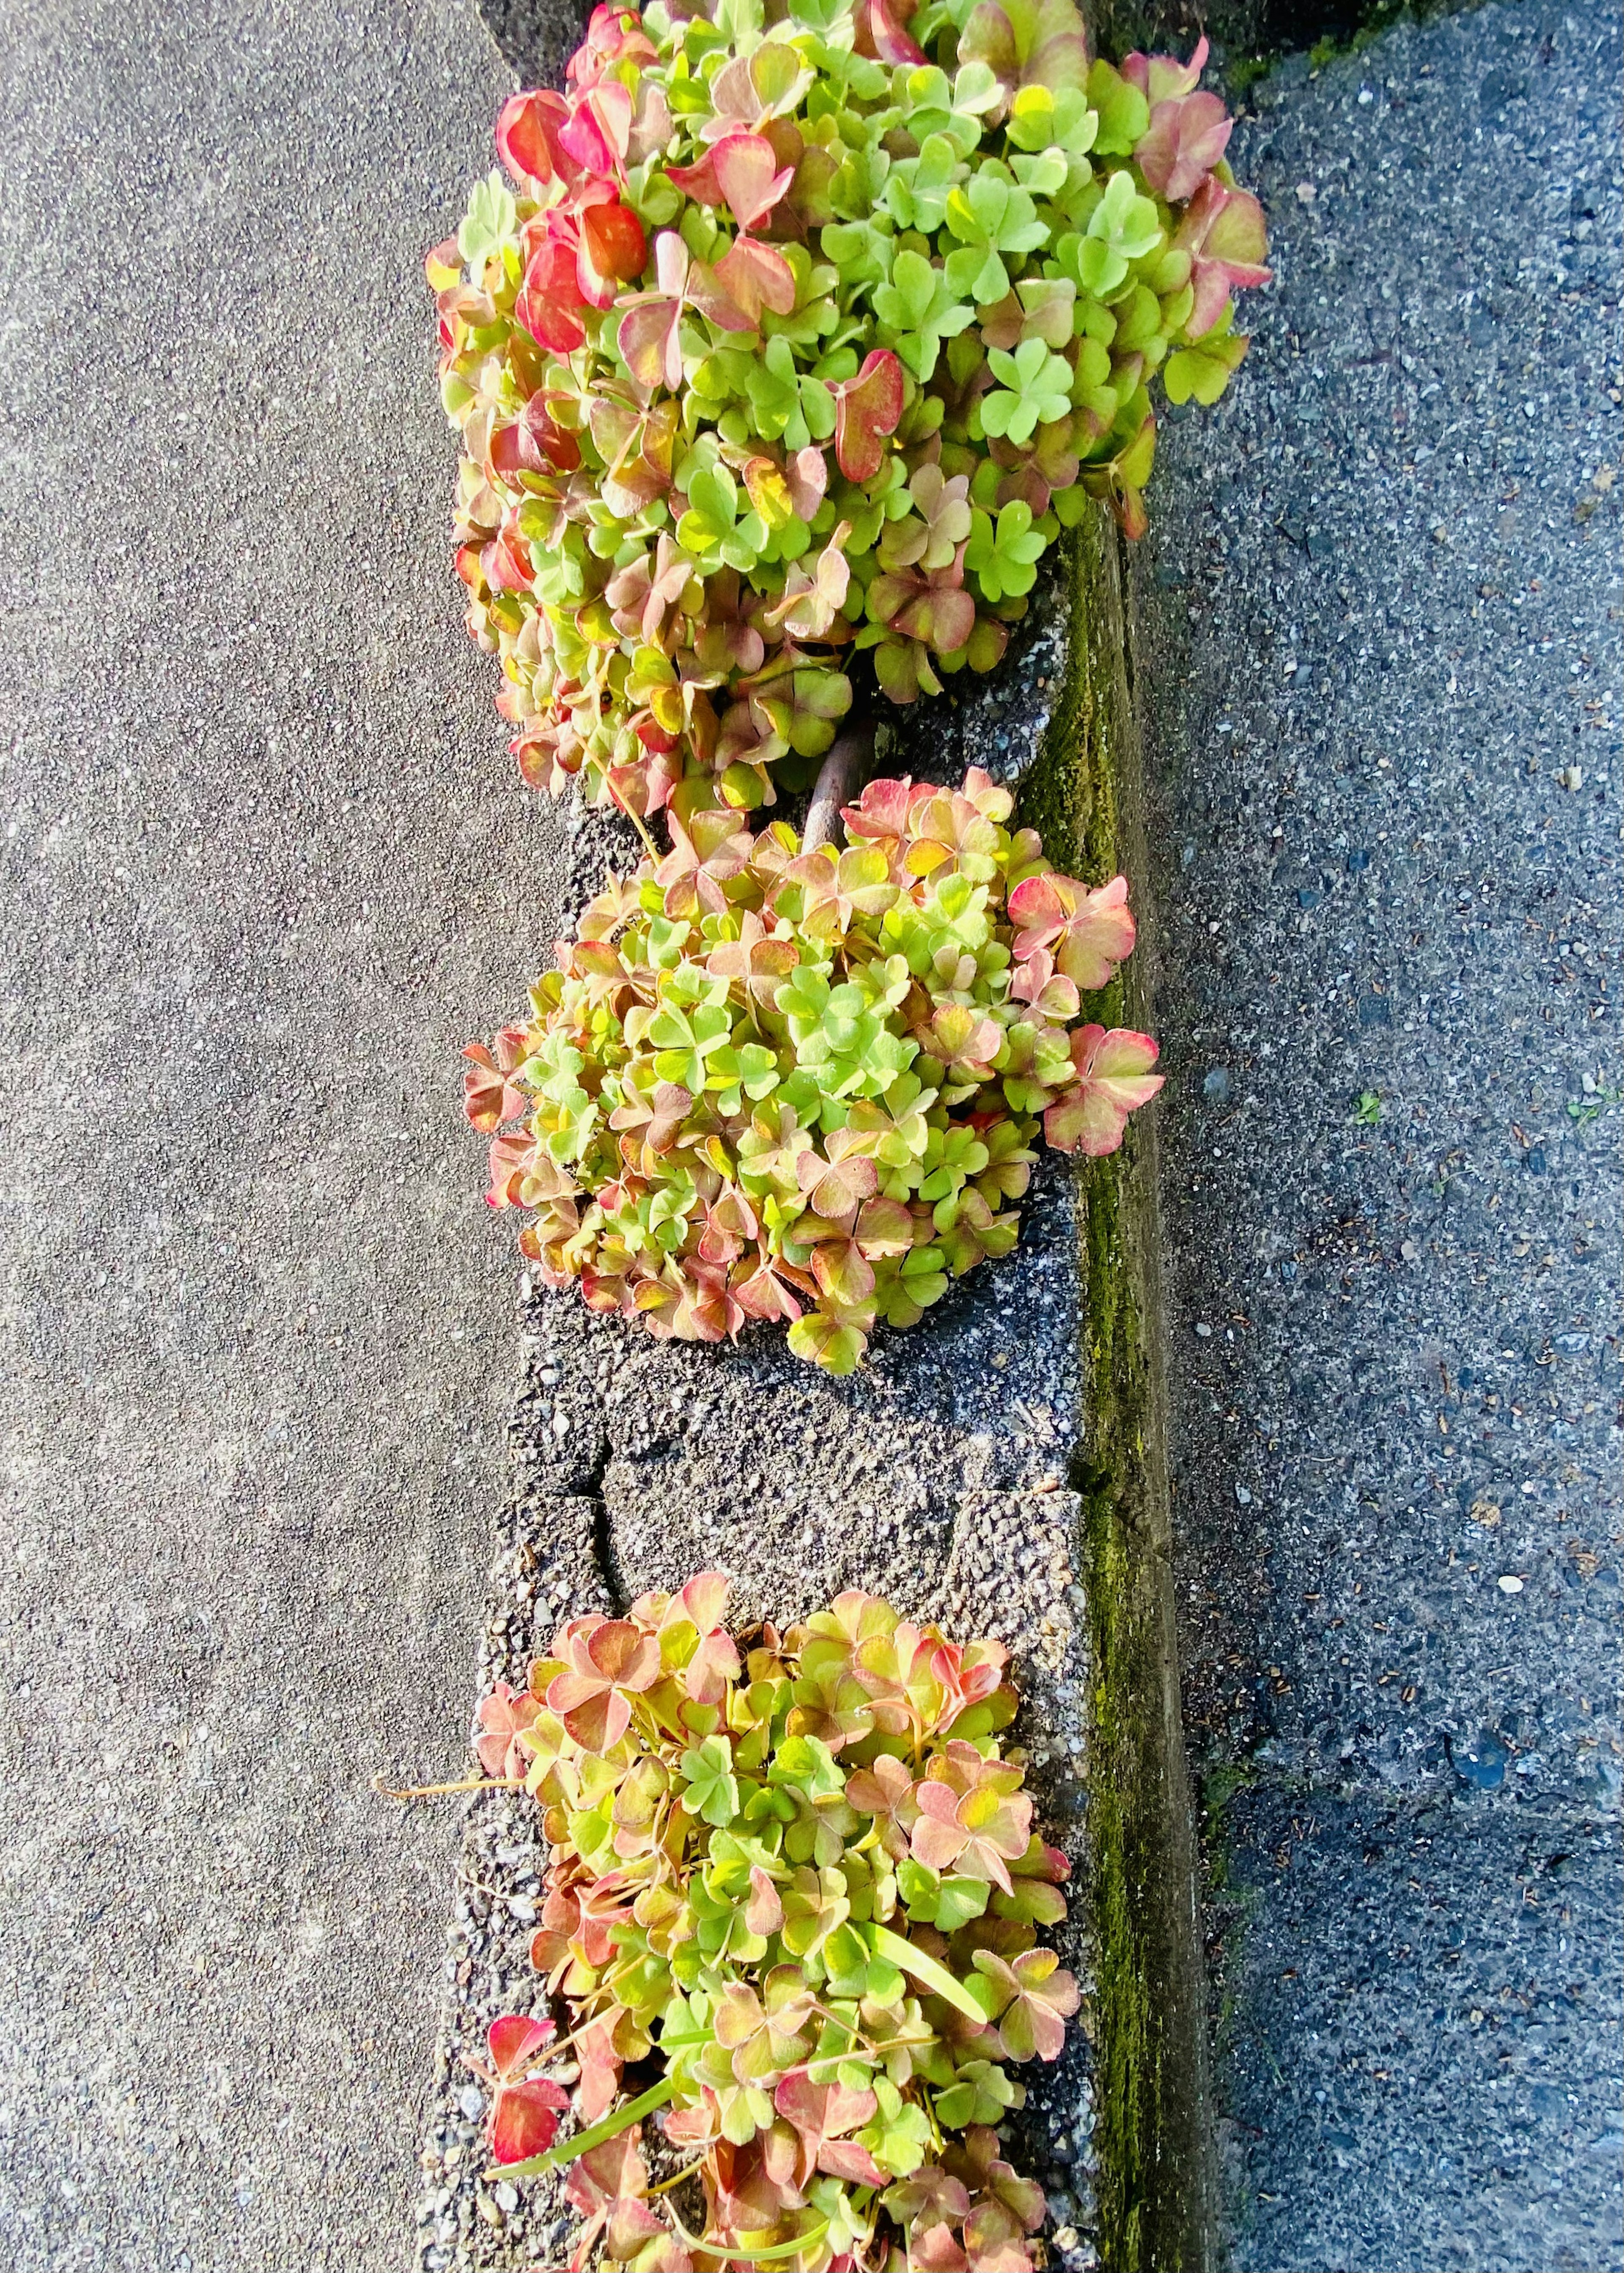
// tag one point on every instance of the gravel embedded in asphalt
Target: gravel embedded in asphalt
(1379, 646)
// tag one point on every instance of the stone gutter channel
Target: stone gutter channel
(1001, 1470)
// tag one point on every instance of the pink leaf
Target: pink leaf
(650, 339)
(550, 297)
(1159, 78)
(756, 276)
(881, 35)
(740, 171)
(1113, 1079)
(528, 130)
(514, 2041)
(866, 409)
(1183, 143)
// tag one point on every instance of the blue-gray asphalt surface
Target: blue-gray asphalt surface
(1379, 642)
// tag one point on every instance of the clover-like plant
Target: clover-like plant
(793, 1903)
(770, 1083)
(756, 294)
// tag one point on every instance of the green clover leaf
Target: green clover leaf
(1003, 554)
(492, 221)
(712, 1786)
(917, 310)
(1034, 387)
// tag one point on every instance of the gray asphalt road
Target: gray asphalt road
(265, 866)
(1379, 628)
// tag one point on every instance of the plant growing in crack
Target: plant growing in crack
(770, 1083)
(784, 344)
(793, 1903)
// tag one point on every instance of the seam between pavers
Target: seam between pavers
(1145, 2072)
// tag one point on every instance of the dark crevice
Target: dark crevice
(604, 1552)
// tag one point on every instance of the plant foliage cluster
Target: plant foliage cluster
(794, 1900)
(764, 1083)
(786, 341)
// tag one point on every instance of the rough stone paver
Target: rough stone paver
(1378, 640)
(263, 854)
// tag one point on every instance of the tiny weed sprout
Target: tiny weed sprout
(780, 350)
(764, 1083)
(792, 1915)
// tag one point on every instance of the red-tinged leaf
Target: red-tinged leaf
(834, 1189)
(881, 32)
(650, 339)
(698, 181)
(748, 176)
(599, 127)
(515, 2042)
(712, 299)
(1113, 1079)
(821, 2110)
(764, 1913)
(882, 810)
(762, 1293)
(1088, 933)
(510, 1161)
(504, 1715)
(613, 250)
(842, 1271)
(550, 297)
(1184, 141)
(615, 33)
(885, 1227)
(866, 409)
(489, 1097)
(524, 2120)
(756, 276)
(1238, 237)
(1160, 78)
(713, 1665)
(528, 130)
(807, 474)
(843, 2158)
(442, 265)
(936, 2250)
(534, 443)
(1026, 43)
(704, 1599)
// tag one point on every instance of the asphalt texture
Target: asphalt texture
(1379, 657)
(263, 858)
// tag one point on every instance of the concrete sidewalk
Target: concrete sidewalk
(1379, 655)
(266, 866)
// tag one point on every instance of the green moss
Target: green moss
(1150, 2131)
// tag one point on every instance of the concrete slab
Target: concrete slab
(264, 857)
(1378, 651)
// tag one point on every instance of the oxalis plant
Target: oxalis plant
(765, 1083)
(791, 336)
(793, 1903)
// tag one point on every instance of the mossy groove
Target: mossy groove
(1155, 2190)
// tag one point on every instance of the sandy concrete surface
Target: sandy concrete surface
(263, 860)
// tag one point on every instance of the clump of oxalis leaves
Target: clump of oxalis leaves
(765, 1084)
(793, 1902)
(794, 334)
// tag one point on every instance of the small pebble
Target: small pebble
(471, 2100)
(1203, 1329)
(1509, 1584)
